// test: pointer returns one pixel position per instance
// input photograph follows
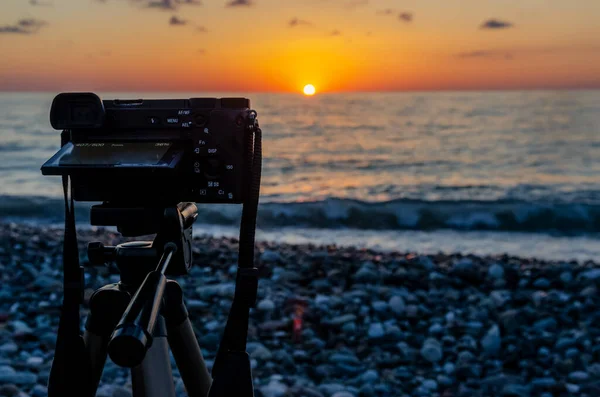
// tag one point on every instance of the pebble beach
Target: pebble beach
(338, 321)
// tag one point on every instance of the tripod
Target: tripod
(136, 320)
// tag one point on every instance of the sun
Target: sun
(309, 89)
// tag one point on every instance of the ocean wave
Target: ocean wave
(334, 213)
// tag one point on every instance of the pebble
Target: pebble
(492, 342)
(397, 305)
(39, 391)
(266, 305)
(270, 256)
(343, 394)
(449, 368)
(9, 348)
(578, 377)
(430, 384)
(340, 321)
(431, 350)
(379, 306)
(496, 271)
(376, 331)
(274, 389)
(369, 376)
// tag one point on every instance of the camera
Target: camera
(129, 151)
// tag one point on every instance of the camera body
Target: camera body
(153, 151)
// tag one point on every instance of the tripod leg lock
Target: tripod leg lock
(246, 286)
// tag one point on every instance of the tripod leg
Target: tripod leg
(107, 304)
(154, 377)
(184, 345)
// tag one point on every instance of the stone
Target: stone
(270, 256)
(431, 350)
(496, 271)
(593, 275)
(20, 328)
(258, 350)
(274, 389)
(121, 391)
(425, 262)
(449, 368)
(10, 391)
(499, 298)
(10, 375)
(343, 393)
(266, 305)
(330, 388)
(510, 320)
(9, 348)
(578, 377)
(429, 384)
(444, 381)
(35, 361)
(492, 342)
(39, 391)
(543, 383)
(512, 390)
(349, 328)
(216, 290)
(436, 329)
(180, 390)
(379, 306)
(542, 283)
(566, 277)
(105, 390)
(366, 274)
(376, 331)
(544, 324)
(346, 318)
(397, 305)
(369, 376)
(343, 358)
(464, 265)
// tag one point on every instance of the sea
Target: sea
(483, 173)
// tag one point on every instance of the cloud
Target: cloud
(176, 21)
(356, 3)
(240, 3)
(297, 22)
(335, 33)
(406, 16)
(387, 11)
(40, 3)
(495, 24)
(24, 26)
(169, 5)
(485, 54)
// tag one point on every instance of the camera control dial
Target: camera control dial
(212, 168)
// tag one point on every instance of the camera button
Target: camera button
(154, 120)
(172, 120)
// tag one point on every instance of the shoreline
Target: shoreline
(373, 323)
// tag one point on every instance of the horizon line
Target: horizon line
(574, 88)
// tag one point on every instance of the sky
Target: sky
(281, 45)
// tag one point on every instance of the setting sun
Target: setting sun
(309, 89)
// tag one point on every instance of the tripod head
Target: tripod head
(171, 224)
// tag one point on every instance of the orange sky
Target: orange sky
(281, 45)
